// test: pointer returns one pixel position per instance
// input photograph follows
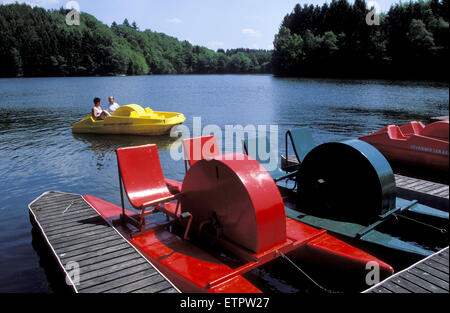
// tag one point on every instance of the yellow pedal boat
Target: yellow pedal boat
(131, 119)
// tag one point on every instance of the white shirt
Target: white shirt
(98, 110)
(113, 107)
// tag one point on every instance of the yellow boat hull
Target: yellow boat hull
(131, 120)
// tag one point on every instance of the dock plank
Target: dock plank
(75, 232)
(419, 281)
(435, 195)
(89, 255)
(108, 278)
(382, 290)
(64, 230)
(109, 262)
(430, 278)
(114, 286)
(406, 284)
(167, 290)
(153, 288)
(111, 270)
(81, 237)
(430, 275)
(139, 285)
(77, 246)
(68, 253)
(437, 265)
(105, 257)
(432, 271)
(441, 260)
(394, 288)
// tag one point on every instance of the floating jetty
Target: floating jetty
(428, 193)
(427, 276)
(75, 232)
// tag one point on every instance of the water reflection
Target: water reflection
(384, 114)
(29, 119)
(103, 145)
(383, 82)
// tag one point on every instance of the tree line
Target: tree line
(411, 41)
(38, 42)
(332, 40)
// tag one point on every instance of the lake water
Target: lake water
(38, 151)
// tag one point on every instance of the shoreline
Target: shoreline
(340, 78)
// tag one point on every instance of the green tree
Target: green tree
(288, 53)
(419, 37)
(337, 41)
(15, 65)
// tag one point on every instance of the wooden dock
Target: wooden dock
(81, 240)
(427, 276)
(428, 193)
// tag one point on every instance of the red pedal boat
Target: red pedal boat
(414, 144)
(229, 202)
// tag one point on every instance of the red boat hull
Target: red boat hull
(414, 144)
(194, 270)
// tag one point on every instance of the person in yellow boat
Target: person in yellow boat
(113, 106)
(97, 112)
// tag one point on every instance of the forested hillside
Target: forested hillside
(37, 42)
(332, 40)
(335, 40)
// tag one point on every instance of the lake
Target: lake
(39, 152)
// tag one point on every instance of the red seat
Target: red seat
(196, 149)
(143, 179)
(412, 128)
(142, 175)
(395, 132)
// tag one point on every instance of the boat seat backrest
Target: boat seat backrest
(302, 142)
(252, 146)
(196, 149)
(412, 128)
(130, 110)
(395, 132)
(141, 174)
(259, 148)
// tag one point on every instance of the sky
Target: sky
(216, 24)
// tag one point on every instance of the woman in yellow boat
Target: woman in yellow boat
(97, 112)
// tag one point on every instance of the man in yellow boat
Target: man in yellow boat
(97, 112)
(113, 106)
